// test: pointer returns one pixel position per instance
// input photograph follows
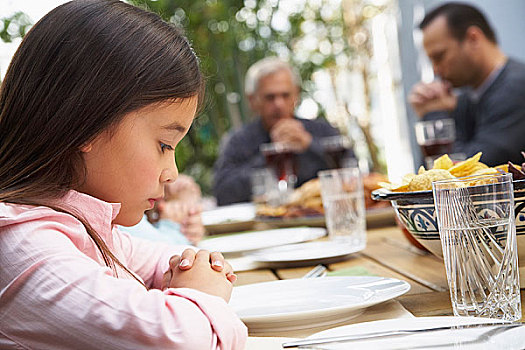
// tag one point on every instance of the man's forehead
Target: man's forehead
(437, 36)
(279, 82)
(437, 30)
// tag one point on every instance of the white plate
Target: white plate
(229, 218)
(294, 304)
(229, 213)
(248, 241)
(310, 253)
(474, 338)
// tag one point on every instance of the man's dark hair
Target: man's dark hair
(460, 17)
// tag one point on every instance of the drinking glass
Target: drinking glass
(344, 206)
(435, 137)
(281, 157)
(478, 236)
(265, 189)
(336, 150)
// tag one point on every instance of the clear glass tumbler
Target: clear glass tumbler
(265, 188)
(344, 206)
(478, 236)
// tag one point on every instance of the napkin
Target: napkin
(351, 271)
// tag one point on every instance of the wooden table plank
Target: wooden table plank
(388, 247)
(294, 272)
(437, 304)
(249, 277)
(427, 304)
(374, 268)
(357, 261)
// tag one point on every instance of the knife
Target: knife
(363, 336)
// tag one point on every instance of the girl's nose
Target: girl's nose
(170, 173)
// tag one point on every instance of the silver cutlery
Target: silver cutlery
(384, 334)
(318, 271)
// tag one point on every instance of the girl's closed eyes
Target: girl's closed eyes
(165, 147)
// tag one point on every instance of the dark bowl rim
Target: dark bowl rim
(382, 194)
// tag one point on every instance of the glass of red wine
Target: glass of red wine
(435, 137)
(281, 157)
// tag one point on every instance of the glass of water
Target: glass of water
(344, 206)
(478, 236)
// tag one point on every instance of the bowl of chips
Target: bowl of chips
(413, 201)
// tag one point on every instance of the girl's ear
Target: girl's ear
(87, 147)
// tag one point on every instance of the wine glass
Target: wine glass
(435, 138)
(281, 158)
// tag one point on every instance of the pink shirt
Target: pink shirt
(56, 292)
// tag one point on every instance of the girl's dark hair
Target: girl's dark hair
(77, 72)
(460, 17)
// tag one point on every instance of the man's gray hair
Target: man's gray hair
(265, 67)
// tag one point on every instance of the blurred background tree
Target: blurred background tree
(231, 35)
(322, 39)
(14, 26)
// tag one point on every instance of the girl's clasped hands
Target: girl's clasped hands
(202, 270)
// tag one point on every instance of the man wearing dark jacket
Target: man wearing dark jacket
(272, 88)
(489, 110)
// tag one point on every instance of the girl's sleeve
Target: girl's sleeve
(58, 298)
(146, 258)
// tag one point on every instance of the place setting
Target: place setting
(275, 307)
(344, 212)
(299, 305)
(477, 227)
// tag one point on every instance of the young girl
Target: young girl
(91, 108)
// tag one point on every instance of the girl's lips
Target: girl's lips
(152, 201)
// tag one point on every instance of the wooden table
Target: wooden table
(388, 254)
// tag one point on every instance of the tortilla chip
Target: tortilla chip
(423, 182)
(443, 162)
(464, 168)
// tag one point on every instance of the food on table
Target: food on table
(444, 169)
(306, 200)
(518, 172)
(370, 184)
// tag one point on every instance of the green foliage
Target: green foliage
(229, 36)
(14, 26)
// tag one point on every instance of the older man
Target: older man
(489, 109)
(272, 88)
